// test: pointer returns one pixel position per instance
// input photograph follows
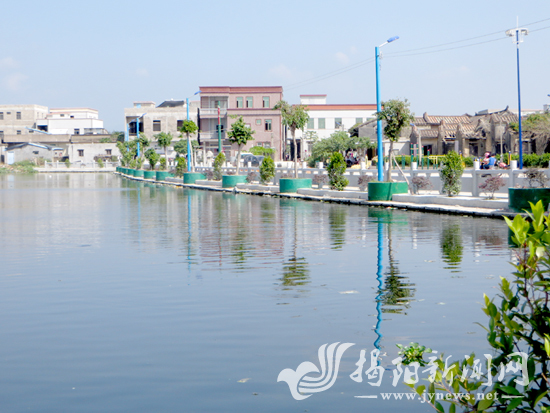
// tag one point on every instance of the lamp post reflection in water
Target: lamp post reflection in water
(379, 269)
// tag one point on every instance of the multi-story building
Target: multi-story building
(167, 117)
(325, 119)
(20, 119)
(72, 121)
(221, 106)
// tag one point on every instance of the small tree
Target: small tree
(336, 168)
(451, 173)
(218, 164)
(189, 128)
(240, 134)
(491, 185)
(163, 164)
(153, 157)
(294, 117)
(181, 166)
(397, 116)
(267, 170)
(164, 140)
(143, 145)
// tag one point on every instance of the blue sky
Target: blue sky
(107, 54)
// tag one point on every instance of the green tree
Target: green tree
(164, 140)
(189, 128)
(153, 157)
(117, 136)
(397, 116)
(294, 117)
(144, 143)
(536, 126)
(336, 169)
(218, 164)
(267, 170)
(240, 134)
(451, 173)
(181, 166)
(260, 150)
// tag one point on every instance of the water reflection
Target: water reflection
(295, 269)
(451, 245)
(337, 223)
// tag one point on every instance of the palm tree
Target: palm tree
(164, 140)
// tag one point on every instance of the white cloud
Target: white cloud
(342, 57)
(15, 81)
(281, 72)
(8, 63)
(142, 72)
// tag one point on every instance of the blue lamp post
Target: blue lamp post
(517, 35)
(189, 141)
(127, 134)
(379, 108)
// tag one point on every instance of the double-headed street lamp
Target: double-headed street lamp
(379, 108)
(517, 35)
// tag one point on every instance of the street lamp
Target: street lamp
(189, 141)
(517, 35)
(127, 134)
(379, 108)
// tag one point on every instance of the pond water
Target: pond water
(120, 296)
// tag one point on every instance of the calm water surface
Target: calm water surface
(118, 296)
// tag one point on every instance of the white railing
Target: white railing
(80, 165)
(213, 112)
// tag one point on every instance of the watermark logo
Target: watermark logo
(302, 386)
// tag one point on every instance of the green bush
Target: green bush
(517, 331)
(162, 163)
(67, 163)
(181, 166)
(153, 157)
(260, 150)
(218, 164)
(267, 170)
(451, 173)
(468, 161)
(100, 163)
(336, 168)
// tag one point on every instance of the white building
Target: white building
(72, 121)
(167, 117)
(20, 119)
(325, 119)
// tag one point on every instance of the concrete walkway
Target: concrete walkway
(425, 203)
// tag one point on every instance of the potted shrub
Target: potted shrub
(396, 115)
(218, 164)
(239, 134)
(420, 182)
(336, 168)
(267, 170)
(451, 173)
(538, 190)
(153, 157)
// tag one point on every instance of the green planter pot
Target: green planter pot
(291, 185)
(150, 174)
(191, 177)
(230, 181)
(162, 175)
(383, 191)
(130, 172)
(519, 198)
(138, 173)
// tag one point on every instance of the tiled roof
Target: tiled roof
(447, 119)
(428, 133)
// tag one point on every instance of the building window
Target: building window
(108, 151)
(35, 152)
(321, 123)
(311, 123)
(77, 131)
(249, 102)
(19, 132)
(266, 101)
(268, 124)
(239, 102)
(156, 126)
(179, 124)
(337, 123)
(219, 127)
(18, 116)
(258, 121)
(62, 115)
(1, 133)
(81, 152)
(358, 120)
(1, 115)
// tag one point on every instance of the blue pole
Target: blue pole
(188, 142)
(379, 122)
(137, 136)
(519, 108)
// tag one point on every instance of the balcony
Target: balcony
(213, 112)
(211, 136)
